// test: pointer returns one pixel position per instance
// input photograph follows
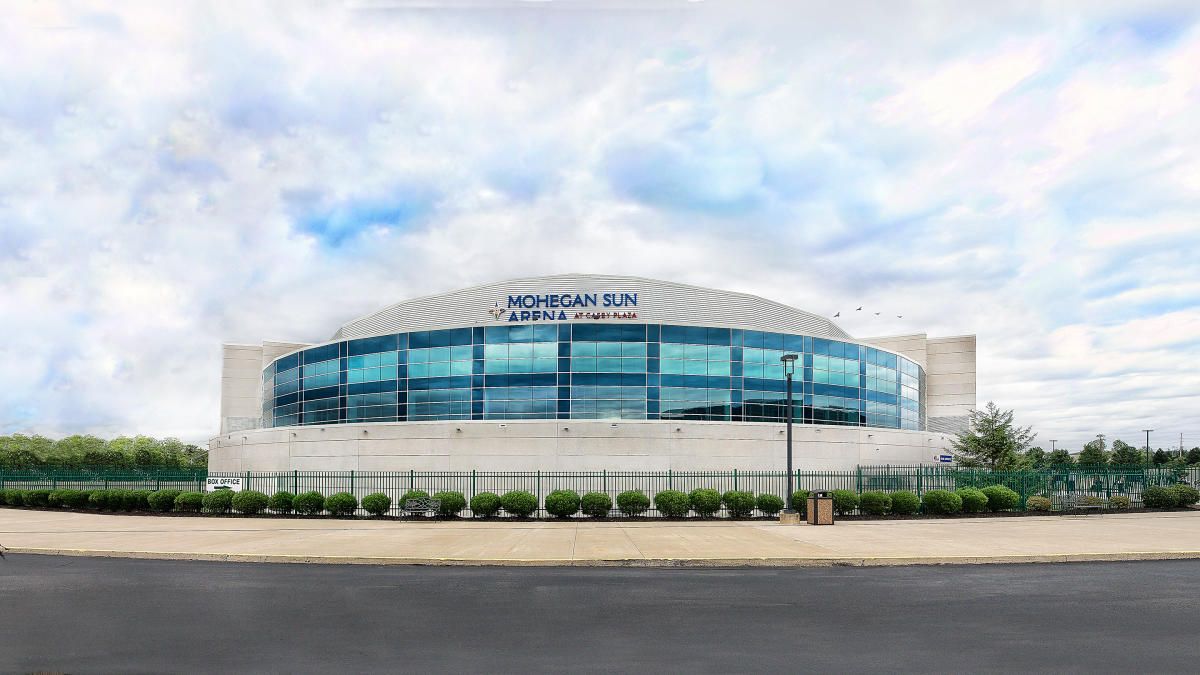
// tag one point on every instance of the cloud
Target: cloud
(175, 177)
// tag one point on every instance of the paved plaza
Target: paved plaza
(1129, 536)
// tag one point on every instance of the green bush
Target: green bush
(4, 497)
(377, 504)
(1185, 495)
(1118, 502)
(1156, 497)
(117, 500)
(56, 498)
(485, 504)
(281, 502)
(672, 503)
(450, 503)
(76, 499)
(705, 501)
(37, 497)
(769, 504)
(1092, 500)
(596, 504)
(163, 500)
(562, 503)
(800, 502)
(98, 499)
(66, 499)
(310, 503)
(739, 504)
(1001, 498)
(250, 502)
(973, 500)
(519, 503)
(844, 501)
(633, 502)
(218, 501)
(187, 502)
(136, 500)
(941, 502)
(905, 503)
(1038, 503)
(341, 504)
(875, 503)
(413, 494)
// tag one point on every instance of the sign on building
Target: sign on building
(212, 484)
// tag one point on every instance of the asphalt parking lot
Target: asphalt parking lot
(86, 615)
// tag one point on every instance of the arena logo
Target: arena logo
(554, 306)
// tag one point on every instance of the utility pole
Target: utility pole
(1052, 442)
(1148, 461)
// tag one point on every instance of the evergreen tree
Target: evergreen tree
(1093, 454)
(1035, 458)
(991, 440)
(1193, 456)
(1161, 457)
(1060, 458)
(1124, 454)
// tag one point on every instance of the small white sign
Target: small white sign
(213, 484)
(945, 458)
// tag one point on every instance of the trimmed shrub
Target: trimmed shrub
(218, 501)
(341, 504)
(1038, 503)
(562, 503)
(1118, 502)
(800, 502)
(163, 500)
(136, 500)
(377, 504)
(973, 500)
(4, 497)
(633, 502)
(875, 503)
(519, 503)
(309, 503)
(1185, 495)
(1156, 497)
(56, 499)
(75, 499)
(941, 502)
(117, 500)
(1001, 498)
(412, 494)
(485, 504)
(739, 504)
(596, 504)
(37, 497)
(281, 502)
(1092, 500)
(844, 501)
(450, 503)
(250, 502)
(187, 502)
(769, 504)
(705, 501)
(672, 503)
(905, 503)
(98, 499)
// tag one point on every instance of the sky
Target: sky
(177, 175)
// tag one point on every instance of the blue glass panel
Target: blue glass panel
(735, 337)
(323, 353)
(651, 365)
(652, 393)
(564, 379)
(287, 399)
(793, 344)
(319, 393)
(545, 333)
(821, 346)
(652, 332)
(652, 409)
(564, 331)
(718, 336)
(371, 345)
(773, 341)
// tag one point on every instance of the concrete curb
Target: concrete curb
(853, 561)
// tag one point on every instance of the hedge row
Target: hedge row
(704, 502)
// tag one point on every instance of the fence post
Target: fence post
(539, 489)
(920, 486)
(604, 481)
(295, 481)
(858, 478)
(472, 482)
(248, 486)
(352, 481)
(670, 479)
(411, 479)
(735, 484)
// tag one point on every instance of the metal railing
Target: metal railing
(1061, 486)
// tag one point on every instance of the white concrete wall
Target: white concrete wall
(564, 445)
(950, 379)
(241, 385)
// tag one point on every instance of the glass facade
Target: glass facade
(592, 371)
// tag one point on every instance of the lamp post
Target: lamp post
(789, 367)
(1149, 462)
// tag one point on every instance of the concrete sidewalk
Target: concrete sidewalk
(1133, 536)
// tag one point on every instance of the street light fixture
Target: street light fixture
(789, 367)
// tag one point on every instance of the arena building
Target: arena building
(587, 372)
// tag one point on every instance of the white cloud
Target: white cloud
(175, 176)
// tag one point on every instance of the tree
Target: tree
(1161, 457)
(991, 440)
(1124, 454)
(1093, 454)
(1193, 456)
(1035, 458)
(1060, 458)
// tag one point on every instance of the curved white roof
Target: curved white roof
(657, 302)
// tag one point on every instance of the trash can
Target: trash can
(820, 508)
